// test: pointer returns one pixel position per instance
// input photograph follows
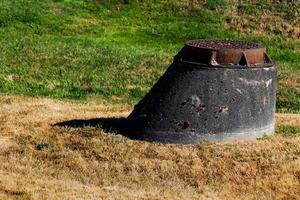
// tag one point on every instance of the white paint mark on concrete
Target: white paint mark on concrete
(224, 109)
(268, 82)
(254, 82)
(239, 91)
(195, 100)
(251, 82)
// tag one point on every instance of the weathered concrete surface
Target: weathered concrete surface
(193, 102)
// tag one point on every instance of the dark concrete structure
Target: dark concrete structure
(214, 90)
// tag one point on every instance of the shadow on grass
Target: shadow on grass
(109, 125)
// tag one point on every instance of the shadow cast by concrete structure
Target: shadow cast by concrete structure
(109, 125)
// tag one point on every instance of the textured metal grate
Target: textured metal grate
(224, 44)
(223, 53)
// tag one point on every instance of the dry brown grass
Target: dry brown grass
(39, 161)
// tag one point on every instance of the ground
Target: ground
(93, 60)
(115, 52)
(42, 161)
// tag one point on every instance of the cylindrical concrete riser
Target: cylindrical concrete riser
(191, 103)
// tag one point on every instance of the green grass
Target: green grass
(287, 131)
(106, 49)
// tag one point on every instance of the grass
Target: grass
(42, 161)
(288, 130)
(114, 52)
(111, 53)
